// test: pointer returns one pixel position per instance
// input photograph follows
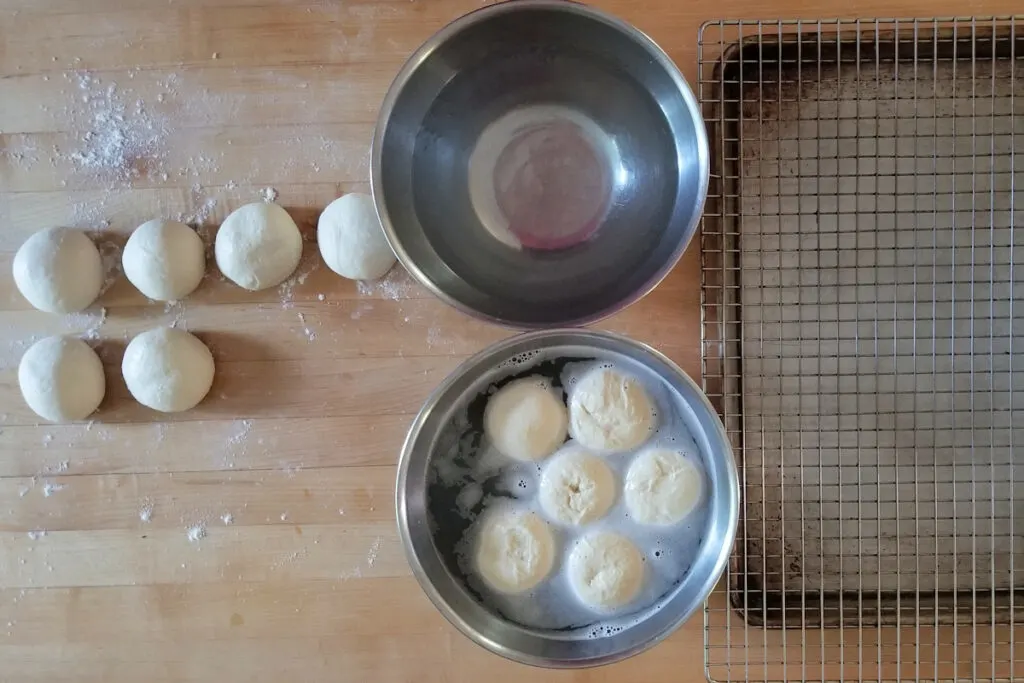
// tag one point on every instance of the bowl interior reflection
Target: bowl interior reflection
(541, 166)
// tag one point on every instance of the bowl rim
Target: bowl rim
(731, 495)
(422, 53)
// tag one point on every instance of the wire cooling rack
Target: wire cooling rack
(862, 260)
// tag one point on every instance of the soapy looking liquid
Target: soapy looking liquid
(468, 478)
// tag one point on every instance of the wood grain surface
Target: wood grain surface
(253, 538)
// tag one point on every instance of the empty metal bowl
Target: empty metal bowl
(432, 527)
(539, 163)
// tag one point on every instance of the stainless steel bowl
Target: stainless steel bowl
(539, 163)
(426, 536)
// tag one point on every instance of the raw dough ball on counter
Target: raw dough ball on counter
(610, 411)
(61, 379)
(59, 270)
(576, 487)
(606, 571)
(525, 420)
(351, 239)
(258, 246)
(662, 487)
(515, 551)
(167, 369)
(165, 260)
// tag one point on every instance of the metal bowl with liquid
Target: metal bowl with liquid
(539, 163)
(431, 527)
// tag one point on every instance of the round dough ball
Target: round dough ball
(662, 487)
(606, 571)
(167, 369)
(165, 260)
(258, 246)
(525, 420)
(351, 239)
(515, 551)
(59, 270)
(576, 487)
(61, 379)
(610, 411)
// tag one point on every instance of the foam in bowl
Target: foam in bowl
(467, 478)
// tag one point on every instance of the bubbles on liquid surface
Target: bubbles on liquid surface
(468, 478)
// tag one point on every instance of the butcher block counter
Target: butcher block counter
(253, 538)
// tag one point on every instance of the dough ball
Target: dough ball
(576, 487)
(515, 551)
(59, 270)
(606, 571)
(662, 487)
(167, 369)
(610, 411)
(61, 379)
(258, 246)
(525, 420)
(165, 260)
(351, 239)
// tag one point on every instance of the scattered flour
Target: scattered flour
(49, 489)
(86, 324)
(395, 285)
(236, 443)
(243, 427)
(197, 532)
(371, 556)
(227, 518)
(286, 290)
(146, 512)
(37, 534)
(309, 333)
(268, 194)
(61, 466)
(123, 140)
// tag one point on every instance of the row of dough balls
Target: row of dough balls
(166, 369)
(258, 246)
(608, 412)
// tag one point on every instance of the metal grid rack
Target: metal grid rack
(861, 263)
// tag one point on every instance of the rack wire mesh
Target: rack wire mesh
(861, 264)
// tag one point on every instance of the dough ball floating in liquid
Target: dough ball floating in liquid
(662, 487)
(59, 270)
(258, 246)
(606, 571)
(610, 411)
(515, 550)
(164, 259)
(61, 379)
(167, 369)
(525, 420)
(351, 238)
(576, 487)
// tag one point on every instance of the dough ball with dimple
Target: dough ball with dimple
(258, 246)
(59, 270)
(164, 259)
(576, 487)
(662, 487)
(515, 551)
(167, 369)
(606, 570)
(525, 420)
(61, 379)
(610, 411)
(352, 240)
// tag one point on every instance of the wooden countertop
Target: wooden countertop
(251, 539)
